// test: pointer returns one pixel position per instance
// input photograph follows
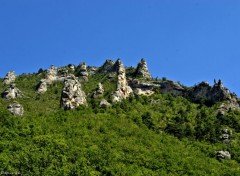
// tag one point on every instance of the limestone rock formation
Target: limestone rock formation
(42, 87)
(72, 94)
(9, 78)
(104, 104)
(123, 90)
(83, 73)
(107, 66)
(52, 73)
(142, 70)
(223, 155)
(12, 92)
(15, 108)
(212, 95)
(99, 91)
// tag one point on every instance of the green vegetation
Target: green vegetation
(156, 135)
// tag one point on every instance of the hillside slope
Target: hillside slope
(162, 128)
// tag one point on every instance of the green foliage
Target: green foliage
(156, 135)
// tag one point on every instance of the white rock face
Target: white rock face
(223, 155)
(146, 92)
(9, 78)
(51, 73)
(99, 91)
(123, 90)
(83, 73)
(51, 76)
(16, 109)
(72, 94)
(42, 87)
(142, 70)
(104, 104)
(12, 92)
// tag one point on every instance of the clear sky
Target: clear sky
(184, 40)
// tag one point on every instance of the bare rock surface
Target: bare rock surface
(83, 72)
(12, 92)
(99, 91)
(142, 70)
(107, 66)
(104, 104)
(16, 109)
(72, 94)
(223, 155)
(123, 90)
(9, 78)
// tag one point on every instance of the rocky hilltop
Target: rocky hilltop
(116, 120)
(138, 82)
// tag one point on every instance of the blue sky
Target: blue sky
(184, 40)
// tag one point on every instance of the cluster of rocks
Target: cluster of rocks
(72, 95)
(12, 92)
(225, 137)
(9, 78)
(123, 90)
(51, 75)
(142, 70)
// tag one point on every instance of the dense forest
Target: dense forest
(157, 134)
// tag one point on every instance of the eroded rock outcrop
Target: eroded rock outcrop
(51, 74)
(12, 92)
(223, 155)
(83, 72)
(42, 86)
(142, 70)
(99, 91)
(205, 93)
(107, 66)
(104, 104)
(9, 78)
(72, 94)
(16, 109)
(123, 90)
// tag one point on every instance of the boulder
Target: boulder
(12, 92)
(99, 91)
(72, 95)
(104, 104)
(123, 90)
(9, 78)
(223, 155)
(142, 70)
(15, 108)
